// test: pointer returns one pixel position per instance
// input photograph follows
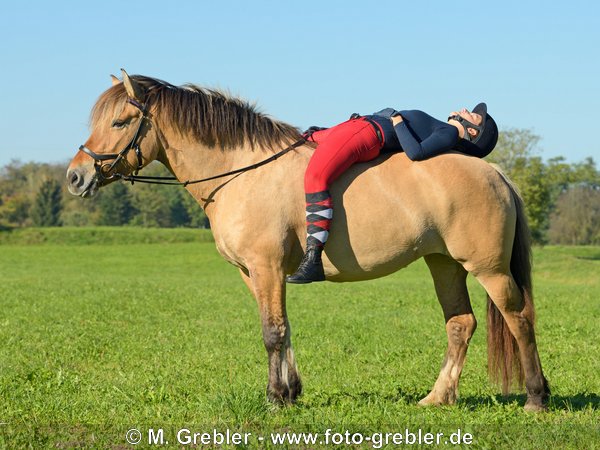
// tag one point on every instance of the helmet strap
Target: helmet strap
(468, 124)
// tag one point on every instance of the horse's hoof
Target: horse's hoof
(429, 401)
(433, 400)
(284, 396)
(275, 400)
(535, 407)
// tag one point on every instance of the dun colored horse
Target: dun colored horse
(459, 213)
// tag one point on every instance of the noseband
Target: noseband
(104, 169)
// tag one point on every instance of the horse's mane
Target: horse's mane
(211, 116)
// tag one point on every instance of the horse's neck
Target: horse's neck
(189, 160)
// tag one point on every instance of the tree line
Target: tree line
(35, 194)
(562, 199)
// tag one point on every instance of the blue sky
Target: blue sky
(536, 64)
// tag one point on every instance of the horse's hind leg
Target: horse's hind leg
(268, 287)
(517, 311)
(449, 278)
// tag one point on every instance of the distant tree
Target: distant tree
(576, 219)
(152, 206)
(530, 175)
(19, 188)
(196, 214)
(13, 179)
(14, 210)
(165, 206)
(71, 217)
(115, 206)
(586, 173)
(47, 205)
(178, 213)
(514, 145)
(561, 176)
(79, 212)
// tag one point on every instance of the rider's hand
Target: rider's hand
(397, 119)
(308, 133)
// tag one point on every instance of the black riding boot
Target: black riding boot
(310, 268)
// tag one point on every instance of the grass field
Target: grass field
(98, 339)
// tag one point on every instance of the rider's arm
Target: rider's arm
(440, 141)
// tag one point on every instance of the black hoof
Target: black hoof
(285, 395)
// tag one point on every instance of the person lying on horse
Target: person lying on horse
(363, 138)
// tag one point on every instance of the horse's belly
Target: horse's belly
(361, 249)
(377, 255)
(365, 272)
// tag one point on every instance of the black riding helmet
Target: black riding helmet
(487, 136)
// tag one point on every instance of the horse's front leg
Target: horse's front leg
(268, 287)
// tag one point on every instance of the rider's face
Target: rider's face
(471, 117)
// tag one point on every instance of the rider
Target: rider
(363, 138)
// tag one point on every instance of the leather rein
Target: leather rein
(105, 170)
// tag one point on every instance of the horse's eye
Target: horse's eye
(118, 124)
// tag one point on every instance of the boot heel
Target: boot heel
(310, 268)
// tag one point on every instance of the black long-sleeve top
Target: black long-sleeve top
(419, 135)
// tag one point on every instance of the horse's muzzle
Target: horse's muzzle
(82, 182)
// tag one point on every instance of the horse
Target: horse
(459, 213)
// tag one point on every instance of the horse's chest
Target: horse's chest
(229, 253)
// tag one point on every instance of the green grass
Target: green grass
(102, 236)
(95, 340)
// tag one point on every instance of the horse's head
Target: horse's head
(123, 140)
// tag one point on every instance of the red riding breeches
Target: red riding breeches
(338, 148)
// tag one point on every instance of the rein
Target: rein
(175, 182)
(103, 170)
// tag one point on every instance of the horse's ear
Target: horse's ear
(134, 90)
(115, 80)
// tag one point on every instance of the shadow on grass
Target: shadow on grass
(339, 397)
(575, 402)
(595, 257)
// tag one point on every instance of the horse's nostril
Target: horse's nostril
(74, 178)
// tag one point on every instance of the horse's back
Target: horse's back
(392, 211)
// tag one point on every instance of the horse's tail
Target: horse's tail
(504, 362)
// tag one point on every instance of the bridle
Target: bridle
(105, 171)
